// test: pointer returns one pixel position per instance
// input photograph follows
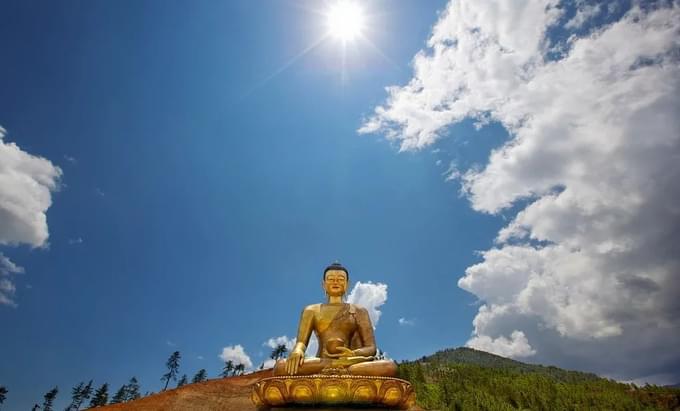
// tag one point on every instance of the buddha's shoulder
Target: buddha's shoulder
(313, 307)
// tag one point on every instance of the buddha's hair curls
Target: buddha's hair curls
(335, 266)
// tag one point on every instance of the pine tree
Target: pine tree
(101, 396)
(133, 390)
(228, 367)
(76, 396)
(35, 407)
(182, 381)
(200, 376)
(120, 395)
(48, 399)
(173, 368)
(85, 394)
(279, 352)
(3, 393)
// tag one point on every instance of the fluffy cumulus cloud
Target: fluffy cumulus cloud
(26, 186)
(237, 355)
(370, 296)
(585, 274)
(276, 341)
(516, 346)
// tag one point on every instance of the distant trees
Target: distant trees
(182, 381)
(101, 396)
(278, 352)
(75, 396)
(200, 376)
(48, 399)
(239, 369)
(120, 395)
(128, 392)
(444, 385)
(173, 369)
(79, 393)
(3, 393)
(228, 368)
(133, 390)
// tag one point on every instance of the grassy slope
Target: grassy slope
(466, 379)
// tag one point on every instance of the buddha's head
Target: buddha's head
(335, 280)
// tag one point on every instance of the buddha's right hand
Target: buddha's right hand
(295, 359)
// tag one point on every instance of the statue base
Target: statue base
(324, 389)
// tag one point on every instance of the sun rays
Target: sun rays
(345, 25)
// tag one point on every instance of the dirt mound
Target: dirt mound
(232, 393)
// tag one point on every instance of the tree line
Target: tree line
(82, 393)
(456, 387)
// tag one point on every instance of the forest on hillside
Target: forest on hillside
(469, 380)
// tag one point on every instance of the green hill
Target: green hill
(466, 379)
(464, 355)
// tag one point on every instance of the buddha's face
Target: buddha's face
(335, 283)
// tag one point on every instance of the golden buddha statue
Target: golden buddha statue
(345, 334)
(345, 370)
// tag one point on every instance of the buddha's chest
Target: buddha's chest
(335, 319)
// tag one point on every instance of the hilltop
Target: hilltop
(461, 379)
(470, 356)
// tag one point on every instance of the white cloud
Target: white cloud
(74, 241)
(200, 357)
(584, 275)
(404, 321)
(26, 186)
(517, 346)
(276, 341)
(370, 296)
(312, 347)
(7, 287)
(7, 267)
(269, 363)
(237, 354)
(584, 13)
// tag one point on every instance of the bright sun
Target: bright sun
(345, 20)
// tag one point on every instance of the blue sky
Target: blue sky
(208, 202)
(208, 171)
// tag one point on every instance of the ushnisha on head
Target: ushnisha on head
(335, 280)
